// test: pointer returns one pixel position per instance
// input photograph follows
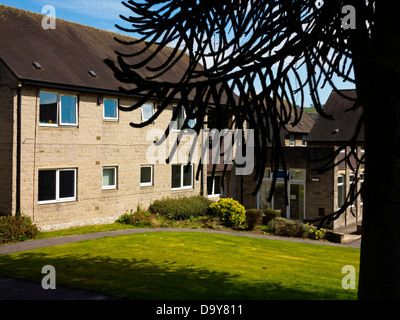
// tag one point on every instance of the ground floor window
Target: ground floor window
(182, 176)
(109, 178)
(57, 185)
(214, 186)
(295, 192)
(146, 175)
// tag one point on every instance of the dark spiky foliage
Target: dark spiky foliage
(245, 62)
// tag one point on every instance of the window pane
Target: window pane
(187, 176)
(303, 140)
(110, 109)
(292, 140)
(145, 175)
(177, 125)
(67, 184)
(109, 177)
(176, 176)
(298, 174)
(68, 110)
(280, 199)
(48, 108)
(147, 111)
(280, 174)
(217, 185)
(264, 194)
(296, 201)
(47, 185)
(209, 185)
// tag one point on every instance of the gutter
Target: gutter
(78, 88)
(18, 169)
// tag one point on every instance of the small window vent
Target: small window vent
(92, 74)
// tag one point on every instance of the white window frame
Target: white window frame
(116, 109)
(58, 199)
(147, 184)
(114, 186)
(182, 173)
(152, 113)
(340, 184)
(182, 118)
(304, 141)
(350, 185)
(213, 194)
(59, 123)
(291, 140)
(76, 110)
(362, 177)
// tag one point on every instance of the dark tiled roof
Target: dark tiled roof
(66, 53)
(342, 127)
(304, 126)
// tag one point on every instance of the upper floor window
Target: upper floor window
(304, 141)
(110, 109)
(291, 143)
(147, 111)
(58, 109)
(180, 120)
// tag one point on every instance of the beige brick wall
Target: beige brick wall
(90, 146)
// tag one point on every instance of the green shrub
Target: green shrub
(181, 208)
(253, 217)
(286, 228)
(17, 228)
(230, 211)
(139, 218)
(269, 215)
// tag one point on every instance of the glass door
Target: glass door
(296, 201)
(279, 199)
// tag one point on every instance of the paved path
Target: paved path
(16, 289)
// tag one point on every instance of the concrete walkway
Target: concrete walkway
(16, 289)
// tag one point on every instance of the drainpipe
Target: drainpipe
(18, 169)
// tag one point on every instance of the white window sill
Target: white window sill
(109, 188)
(57, 201)
(182, 188)
(146, 184)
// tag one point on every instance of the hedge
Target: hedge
(181, 208)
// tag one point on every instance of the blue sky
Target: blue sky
(104, 14)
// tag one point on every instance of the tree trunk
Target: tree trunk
(378, 88)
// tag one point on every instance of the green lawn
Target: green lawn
(180, 265)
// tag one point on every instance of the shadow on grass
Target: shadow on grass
(146, 280)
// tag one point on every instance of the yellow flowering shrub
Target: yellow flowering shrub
(230, 211)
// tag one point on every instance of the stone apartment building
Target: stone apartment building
(68, 154)
(311, 194)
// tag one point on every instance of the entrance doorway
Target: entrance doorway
(296, 195)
